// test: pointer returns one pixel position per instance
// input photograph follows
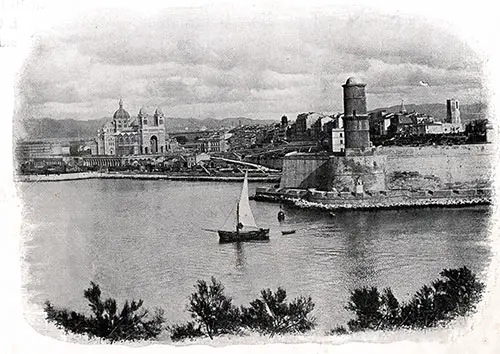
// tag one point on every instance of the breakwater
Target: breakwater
(392, 199)
(271, 178)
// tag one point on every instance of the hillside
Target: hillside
(70, 128)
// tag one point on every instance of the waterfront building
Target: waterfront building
(216, 143)
(404, 123)
(301, 126)
(319, 126)
(380, 122)
(429, 128)
(281, 130)
(452, 111)
(124, 135)
(41, 149)
(40, 154)
(197, 158)
(337, 140)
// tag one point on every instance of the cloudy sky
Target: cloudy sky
(193, 63)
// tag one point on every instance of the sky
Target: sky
(204, 64)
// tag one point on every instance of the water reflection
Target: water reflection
(240, 256)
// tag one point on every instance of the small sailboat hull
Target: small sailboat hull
(287, 232)
(241, 236)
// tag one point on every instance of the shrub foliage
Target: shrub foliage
(107, 322)
(271, 314)
(456, 294)
(214, 314)
(189, 330)
(212, 311)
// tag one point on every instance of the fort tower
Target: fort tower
(356, 124)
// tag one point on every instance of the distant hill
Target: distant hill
(69, 128)
(438, 110)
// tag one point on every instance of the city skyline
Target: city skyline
(194, 65)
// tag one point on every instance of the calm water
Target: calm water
(144, 239)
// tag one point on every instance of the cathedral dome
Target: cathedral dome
(121, 113)
(158, 111)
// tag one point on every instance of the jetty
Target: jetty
(392, 199)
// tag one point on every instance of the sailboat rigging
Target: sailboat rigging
(244, 227)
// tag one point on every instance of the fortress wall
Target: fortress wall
(305, 171)
(333, 173)
(347, 171)
(429, 167)
(439, 166)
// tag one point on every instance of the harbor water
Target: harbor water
(145, 239)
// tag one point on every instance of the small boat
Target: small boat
(243, 227)
(287, 232)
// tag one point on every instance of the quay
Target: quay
(392, 199)
(269, 178)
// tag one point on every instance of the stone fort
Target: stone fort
(363, 168)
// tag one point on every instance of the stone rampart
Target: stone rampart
(439, 166)
(385, 168)
(305, 171)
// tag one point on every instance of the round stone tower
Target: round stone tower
(356, 124)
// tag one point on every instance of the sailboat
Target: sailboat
(243, 226)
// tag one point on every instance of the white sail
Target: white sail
(245, 215)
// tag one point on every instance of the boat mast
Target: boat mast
(238, 218)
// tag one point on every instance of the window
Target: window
(341, 141)
(341, 135)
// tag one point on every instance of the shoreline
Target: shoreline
(390, 201)
(93, 175)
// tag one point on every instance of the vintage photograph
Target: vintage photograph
(208, 176)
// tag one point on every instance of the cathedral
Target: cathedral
(142, 135)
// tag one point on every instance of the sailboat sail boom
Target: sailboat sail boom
(245, 228)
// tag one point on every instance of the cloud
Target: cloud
(190, 62)
(381, 75)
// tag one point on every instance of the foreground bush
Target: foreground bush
(214, 314)
(271, 314)
(130, 323)
(189, 330)
(212, 311)
(457, 294)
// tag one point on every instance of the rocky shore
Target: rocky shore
(140, 176)
(390, 200)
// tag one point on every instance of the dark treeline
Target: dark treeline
(213, 312)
